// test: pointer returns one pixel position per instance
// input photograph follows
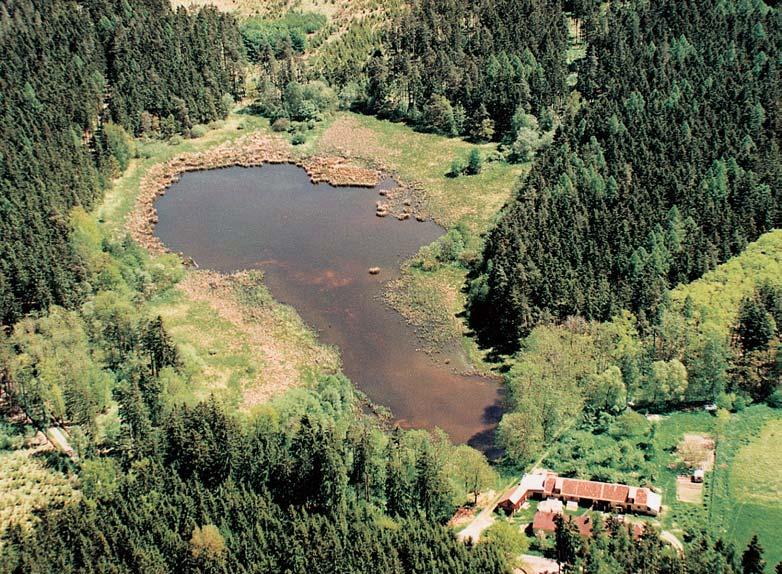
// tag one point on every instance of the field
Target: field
(747, 472)
(754, 485)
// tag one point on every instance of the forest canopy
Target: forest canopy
(670, 166)
(68, 69)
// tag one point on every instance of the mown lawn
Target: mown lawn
(747, 475)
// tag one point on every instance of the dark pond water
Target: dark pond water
(315, 244)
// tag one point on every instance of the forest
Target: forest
(77, 79)
(669, 166)
(465, 68)
(634, 271)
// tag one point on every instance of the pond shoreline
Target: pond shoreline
(256, 150)
(316, 248)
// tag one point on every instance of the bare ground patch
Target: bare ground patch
(697, 451)
(346, 136)
(688, 491)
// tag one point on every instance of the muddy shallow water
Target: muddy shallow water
(315, 244)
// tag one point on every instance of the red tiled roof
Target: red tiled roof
(548, 487)
(592, 490)
(615, 492)
(640, 496)
(545, 521)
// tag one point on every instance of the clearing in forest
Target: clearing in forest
(756, 474)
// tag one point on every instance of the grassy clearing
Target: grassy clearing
(28, 484)
(341, 11)
(264, 8)
(668, 435)
(426, 159)
(238, 343)
(759, 463)
(747, 471)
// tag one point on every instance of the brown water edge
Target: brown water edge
(315, 244)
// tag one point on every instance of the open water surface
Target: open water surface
(315, 244)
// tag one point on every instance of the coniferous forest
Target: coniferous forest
(669, 166)
(465, 68)
(644, 142)
(75, 77)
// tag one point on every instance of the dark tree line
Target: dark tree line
(670, 166)
(465, 68)
(613, 548)
(315, 489)
(61, 61)
(311, 487)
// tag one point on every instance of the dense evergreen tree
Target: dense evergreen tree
(212, 495)
(670, 166)
(752, 560)
(61, 62)
(465, 68)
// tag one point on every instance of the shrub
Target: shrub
(474, 163)
(457, 168)
(281, 125)
(451, 246)
(526, 143)
(10, 438)
(118, 144)
(175, 140)
(775, 399)
(298, 139)
(438, 116)
(198, 131)
(507, 538)
(350, 96)
(226, 104)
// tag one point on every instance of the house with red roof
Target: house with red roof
(605, 496)
(546, 522)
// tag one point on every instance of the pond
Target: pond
(315, 244)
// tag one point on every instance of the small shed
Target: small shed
(698, 475)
